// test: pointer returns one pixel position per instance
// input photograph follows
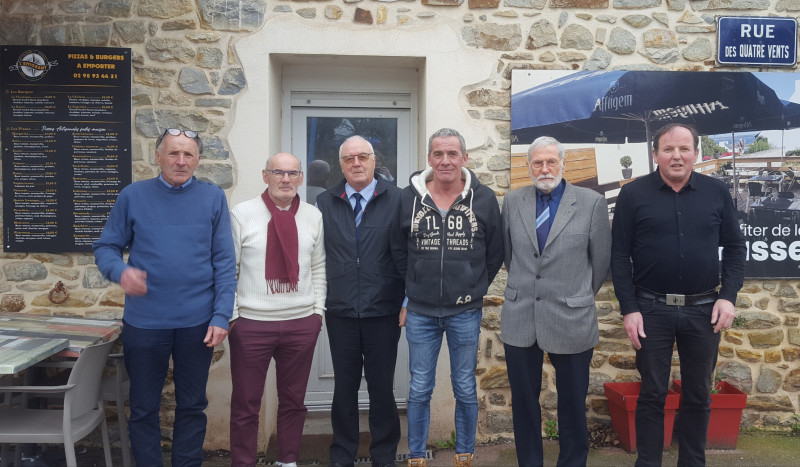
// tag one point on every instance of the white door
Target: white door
(318, 129)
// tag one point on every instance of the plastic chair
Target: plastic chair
(82, 411)
(116, 388)
(755, 190)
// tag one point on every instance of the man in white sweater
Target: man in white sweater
(280, 257)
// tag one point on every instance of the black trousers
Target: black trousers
(371, 344)
(572, 383)
(690, 328)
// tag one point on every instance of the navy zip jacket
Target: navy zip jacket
(363, 281)
(448, 261)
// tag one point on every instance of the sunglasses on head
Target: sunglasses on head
(176, 132)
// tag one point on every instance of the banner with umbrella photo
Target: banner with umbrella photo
(592, 111)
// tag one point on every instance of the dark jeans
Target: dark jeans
(572, 383)
(147, 355)
(370, 343)
(690, 327)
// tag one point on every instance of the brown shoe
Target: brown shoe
(462, 460)
(418, 462)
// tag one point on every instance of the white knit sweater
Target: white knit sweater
(253, 298)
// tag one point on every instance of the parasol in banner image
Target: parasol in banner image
(628, 106)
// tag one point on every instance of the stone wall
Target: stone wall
(186, 73)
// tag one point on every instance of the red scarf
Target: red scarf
(281, 268)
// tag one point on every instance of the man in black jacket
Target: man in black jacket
(365, 294)
(449, 246)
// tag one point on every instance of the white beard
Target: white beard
(547, 183)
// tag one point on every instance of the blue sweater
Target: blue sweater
(182, 239)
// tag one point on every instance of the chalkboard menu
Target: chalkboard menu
(65, 117)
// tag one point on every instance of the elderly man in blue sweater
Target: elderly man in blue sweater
(179, 284)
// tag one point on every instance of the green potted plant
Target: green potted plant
(626, 162)
(622, 399)
(727, 403)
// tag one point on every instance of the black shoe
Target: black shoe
(336, 464)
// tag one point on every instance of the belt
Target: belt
(678, 299)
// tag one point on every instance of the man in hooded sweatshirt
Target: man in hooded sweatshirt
(450, 234)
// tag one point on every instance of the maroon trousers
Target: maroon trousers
(253, 344)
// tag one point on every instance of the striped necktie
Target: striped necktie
(542, 219)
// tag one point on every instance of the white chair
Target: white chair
(82, 410)
(116, 389)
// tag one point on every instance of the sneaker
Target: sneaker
(418, 462)
(462, 460)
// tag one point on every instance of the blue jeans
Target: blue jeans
(690, 328)
(424, 335)
(147, 355)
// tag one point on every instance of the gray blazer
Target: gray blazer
(549, 296)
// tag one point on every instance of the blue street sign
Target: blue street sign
(748, 40)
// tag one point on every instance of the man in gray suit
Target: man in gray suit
(557, 253)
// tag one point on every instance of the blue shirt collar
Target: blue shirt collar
(556, 194)
(366, 193)
(160, 177)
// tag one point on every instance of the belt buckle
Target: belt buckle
(675, 299)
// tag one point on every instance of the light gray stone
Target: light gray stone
(583, 16)
(676, 5)
(233, 81)
(93, 279)
(169, 50)
(17, 30)
(689, 18)
(787, 5)
(72, 34)
(165, 8)
(621, 41)
(600, 35)
(156, 77)
(225, 15)
(541, 34)
(75, 6)
(152, 27)
(570, 56)
(606, 19)
(114, 8)
(506, 14)
(24, 271)
(699, 50)
(660, 45)
(637, 21)
(219, 174)
(307, 13)
(132, 32)
(769, 380)
(635, 4)
(194, 81)
(498, 422)
(151, 123)
(34, 287)
(493, 36)
(662, 18)
(562, 19)
(209, 57)
(537, 4)
(203, 36)
(498, 114)
(57, 259)
(547, 57)
(735, 373)
(599, 60)
(214, 148)
(282, 9)
(695, 29)
(333, 12)
(170, 97)
(499, 162)
(737, 4)
(213, 102)
(84, 259)
(578, 37)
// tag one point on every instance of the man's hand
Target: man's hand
(215, 336)
(634, 326)
(133, 281)
(402, 320)
(722, 315)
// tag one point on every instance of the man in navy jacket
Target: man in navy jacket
(365, 294)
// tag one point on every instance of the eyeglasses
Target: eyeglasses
(293, 174)
(551, 164)
(363, 158)
(176, 132)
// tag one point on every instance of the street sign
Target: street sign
(749, 40)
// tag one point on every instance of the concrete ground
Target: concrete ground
(754, 449)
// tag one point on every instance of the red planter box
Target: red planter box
(622, 399)
(726, 415)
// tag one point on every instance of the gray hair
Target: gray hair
(357, 138)
(543, 142)
(446, 133)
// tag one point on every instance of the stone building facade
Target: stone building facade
(200, 64)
